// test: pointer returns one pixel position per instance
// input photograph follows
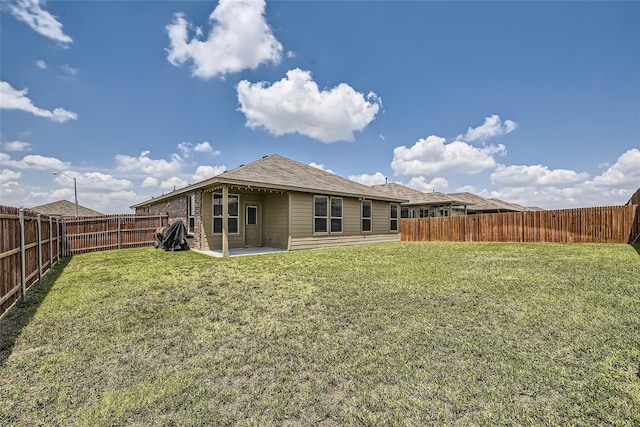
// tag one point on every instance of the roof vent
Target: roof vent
(264, 157)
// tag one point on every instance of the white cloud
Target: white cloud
(99, 181)
(106, 202)
(624, 172)
(8, 177)
(516, 176)
(366, 179)
(144, 164)
(41, 21)
(186, 149)
(420, 183)
(491, 128)
(41, 64)
(37, 161)
(69, 70)
(33, 162)
(13, 99)
(16, 146)
(295, 104)
(240, 38)
(434, 156)
(320, 166)
(173, 183)
(559, 189)
(204, 147)
(291, 54)
(150, 182)
(203, 172)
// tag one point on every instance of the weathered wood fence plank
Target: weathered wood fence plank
(608, 224)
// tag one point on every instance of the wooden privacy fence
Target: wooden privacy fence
(99, 233)
(29, 247)
(609, 224)
(30, 243)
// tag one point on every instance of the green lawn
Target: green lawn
(392, 334)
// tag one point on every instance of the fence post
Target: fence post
(50, 243)
(59, 232)
(39, 248)
(119, 232)
(22, 256)
(65, 243)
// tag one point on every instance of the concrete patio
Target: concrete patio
(242, 251)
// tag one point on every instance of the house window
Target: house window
(252, 215)
(404, 212)
(444, 212)
(366, 215)
(191, 213)
(393, 216)
(320, 214)
(336, 215)
(327, 214)
(232, 224)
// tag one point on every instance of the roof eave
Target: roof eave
(220, 179)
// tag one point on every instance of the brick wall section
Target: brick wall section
(176, 208)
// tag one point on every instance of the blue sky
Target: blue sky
(536, 103)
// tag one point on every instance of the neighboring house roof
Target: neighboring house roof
(281, 173)
(416, 197)
(482, 204)
(64, 208)
(508, 205)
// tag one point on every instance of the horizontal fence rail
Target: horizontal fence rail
(31, 244)
(608, 224)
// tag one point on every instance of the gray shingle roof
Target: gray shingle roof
(416, 197)
(482, 204)
(281, 173)
(64, 208)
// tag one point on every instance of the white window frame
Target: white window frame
(191, 213)
(331, 217)
(325, 217)
(393, 219)
(229, 216)
(363, 218)
(328, 218)
(247, 216)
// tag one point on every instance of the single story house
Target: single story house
(281, 203)
(482, 205)
(423, 205)
(64, 208)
